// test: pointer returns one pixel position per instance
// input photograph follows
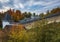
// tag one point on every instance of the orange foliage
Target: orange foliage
(16, 15)
(14, 28)
(56, 10)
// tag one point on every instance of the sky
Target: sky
(34, 6)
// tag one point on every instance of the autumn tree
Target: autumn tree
(16, 15)
(55, 10)
(16, 33)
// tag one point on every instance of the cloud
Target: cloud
(43, 3)
(36, 6)
(16, 6)
(2, 1)
(0, 5)
(48, 7)
(4, 9)
(21, 5)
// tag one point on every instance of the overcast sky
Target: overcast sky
(36, 6)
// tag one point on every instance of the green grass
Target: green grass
(45, 33)
(51, 32)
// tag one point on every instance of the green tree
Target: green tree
(34, 14)
(25, 14)
(0, 24)
(29, 14)
(42, 15)
(48, 12)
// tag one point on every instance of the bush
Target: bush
(51, 33)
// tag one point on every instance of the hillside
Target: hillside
(38, 33)
(47, 33)
(27, 27)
